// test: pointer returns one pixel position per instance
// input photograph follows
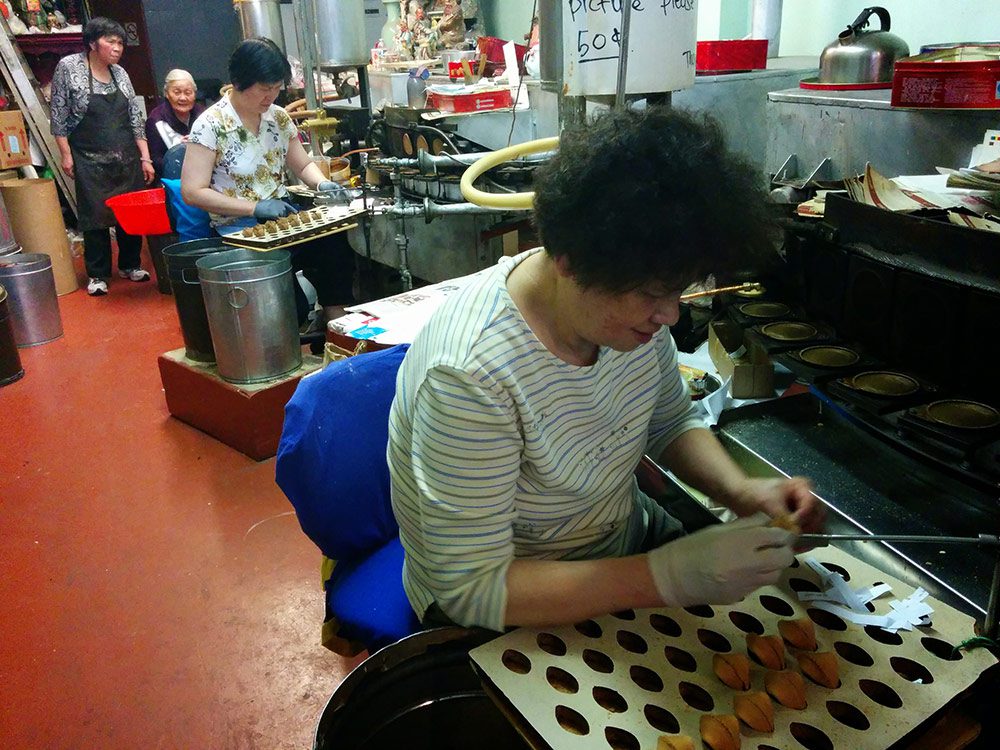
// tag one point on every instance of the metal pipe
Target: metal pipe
(765, 23)
(550, 50)
(430, 210)
(303, 33)
(430, 162)
(623, 55)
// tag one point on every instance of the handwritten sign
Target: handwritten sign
(662, 35)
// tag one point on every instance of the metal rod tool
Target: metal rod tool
(989, 540)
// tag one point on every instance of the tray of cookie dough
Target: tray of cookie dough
(295, 228)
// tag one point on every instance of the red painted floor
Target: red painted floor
(155, 588)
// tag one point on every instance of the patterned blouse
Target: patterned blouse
(71, 95)
(247, 166)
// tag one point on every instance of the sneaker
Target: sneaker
(134, 274)
(97, 287)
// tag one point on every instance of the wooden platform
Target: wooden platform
(245, 417)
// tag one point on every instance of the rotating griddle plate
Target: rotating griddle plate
(883, 383)
(966, 415)
(752, 292)
(789, 330)
(829, 356)
(764, 309)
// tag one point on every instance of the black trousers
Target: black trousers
(328, 264)
(97, 251)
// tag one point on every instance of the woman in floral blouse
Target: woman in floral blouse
(234, 163)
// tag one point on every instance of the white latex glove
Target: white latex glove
(721, 564)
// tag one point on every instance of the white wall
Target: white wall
(511, 19)
(807, 26)
(507, 19)
(709, 19)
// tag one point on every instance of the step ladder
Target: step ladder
(21, 82)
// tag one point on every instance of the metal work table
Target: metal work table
(739, 101)
(855, 127)
(872, 487)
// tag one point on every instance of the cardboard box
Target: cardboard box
(751, 370)
(248, 417)
(387, 86)
(955, 78)
(728, 55)
(13, 141)
(475, 101)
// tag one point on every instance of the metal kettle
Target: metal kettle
(861, 56)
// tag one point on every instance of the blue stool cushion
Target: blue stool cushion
(190, 223)
(367, 598)
(331, 458)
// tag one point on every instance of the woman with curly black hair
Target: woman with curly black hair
(525, 404)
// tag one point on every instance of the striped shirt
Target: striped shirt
(498, 449)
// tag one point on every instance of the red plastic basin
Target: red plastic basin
(141, 212)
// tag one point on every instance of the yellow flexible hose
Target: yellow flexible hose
(513, 201)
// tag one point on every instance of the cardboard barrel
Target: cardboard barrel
(37, 224)
(8, 245)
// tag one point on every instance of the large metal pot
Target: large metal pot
(261, 18)
(861, 56)
(420, 693)
(340, 31)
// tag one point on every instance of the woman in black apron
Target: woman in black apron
(101, 147)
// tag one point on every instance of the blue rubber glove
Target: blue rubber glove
(334, 194)
(273, 208)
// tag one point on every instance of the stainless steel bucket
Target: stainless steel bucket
(10, 360)
(250, 304)
(31, 288)
(182, 270)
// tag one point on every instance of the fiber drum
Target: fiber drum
(250, 302)
(10, 360)
(8, 245)
(420, 693)
(181, 258)
(31, 290)
(37, 222)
